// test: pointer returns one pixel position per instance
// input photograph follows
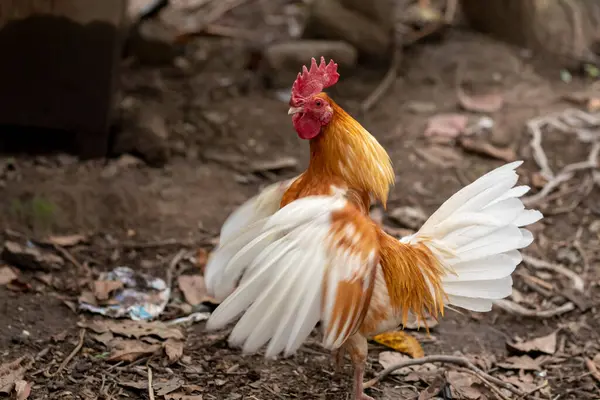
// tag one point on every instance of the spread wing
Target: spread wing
(240, 228)
(313, 260)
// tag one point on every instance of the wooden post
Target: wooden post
(59, 67)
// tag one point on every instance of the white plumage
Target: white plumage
(477, 233)
(272, 264)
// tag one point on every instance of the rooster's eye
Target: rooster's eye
(318, 103)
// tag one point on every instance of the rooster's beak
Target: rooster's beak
(294, 110)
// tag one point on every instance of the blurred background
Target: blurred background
(129, 130)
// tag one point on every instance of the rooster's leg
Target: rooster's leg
(357, 348)
(338, 359)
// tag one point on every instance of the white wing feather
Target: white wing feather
(477, 233)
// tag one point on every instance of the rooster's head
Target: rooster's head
(310, 107)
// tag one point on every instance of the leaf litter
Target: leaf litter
(193, 288)
(12, 373)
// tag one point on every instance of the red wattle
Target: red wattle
(306, 127)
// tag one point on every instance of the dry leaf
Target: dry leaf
(173, 350)
(135, 329)
(486, 103)
(103, 289)
(402, 342)
(193, 288)
(482, 147)
(462, 383)
(447, 126)
(66, 240)
(544, 344)
(130, 350)
(164, 388)
(103, 338)
(7, 275)
(523, 382)
(524, 362)
(433, 389)
(12, 372)
(410, 374)
(22, 389)
(140, 385)
(183, 396)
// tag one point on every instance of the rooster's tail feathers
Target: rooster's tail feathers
(476, 235)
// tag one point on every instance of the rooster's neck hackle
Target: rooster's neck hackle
(345, 149)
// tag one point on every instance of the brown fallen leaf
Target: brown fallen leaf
(433, 389)
(525, 382)
(163, 388)
(87, 296)
(140, 385)
(173, 350)
(544, 344)
(103, 338)
(182, 396)
(538, 181)
(12, 372)
(410, 374)
(7, 275)
(134, 329)
(523, 362)
(485, 103)
(103, 289)
(401, 342)
(22, 389)
(482, 147)
(193, 288)
(66, 240)
(446, 126)
(462, 383)
(130, 350)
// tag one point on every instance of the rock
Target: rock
(144, 132)
(328, 19)
(30, 257)
(284, 60)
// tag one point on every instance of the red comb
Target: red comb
(313, 81)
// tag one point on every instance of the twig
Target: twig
(172, 265)
(150, 388)
(67, 254)
(516, 309)
(384, 85)
(63, 364)
(593, 368)
(444, 359)
(487, 383)
(578, 283)
(532, 391)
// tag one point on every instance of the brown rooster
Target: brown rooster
(305, 251)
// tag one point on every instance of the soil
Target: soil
(220, 119)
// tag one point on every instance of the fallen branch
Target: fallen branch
(150, 388)
(66, 361)
(384, 85)
(461, 361)
(516, 309)
(578, 283)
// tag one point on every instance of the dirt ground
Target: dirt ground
(221, 121)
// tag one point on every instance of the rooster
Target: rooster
(305, 251)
